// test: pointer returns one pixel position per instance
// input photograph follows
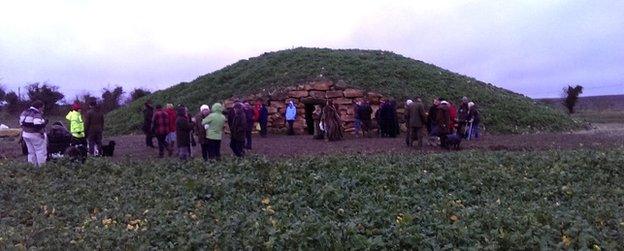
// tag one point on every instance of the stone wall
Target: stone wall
(317, 92)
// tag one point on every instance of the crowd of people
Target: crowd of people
(83, 136)
(176, 130)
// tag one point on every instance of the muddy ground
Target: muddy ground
(604, 136)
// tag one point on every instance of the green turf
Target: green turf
(385, 72)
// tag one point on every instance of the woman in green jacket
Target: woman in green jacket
(214, 130)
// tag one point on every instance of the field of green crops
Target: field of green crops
(484, 200)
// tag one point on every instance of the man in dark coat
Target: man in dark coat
(237, 122)
(94, 127)
(249, 115)
(444, 123)
(148, 114)
(431, 116)
(364, 112)
(183, 133)
(263, 117)
(462, 117)
(415, 118)
(200, 130)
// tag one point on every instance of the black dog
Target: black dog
(453, 141)
(108, 150)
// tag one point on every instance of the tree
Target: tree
(138, 93)
(14, 104)
(571, 95)
(48, 94)
(111, 98)
(2, 93)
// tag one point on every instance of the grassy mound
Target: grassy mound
(385, 72)
(481, 200)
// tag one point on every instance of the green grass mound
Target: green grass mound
(385, 72)
(482, 200)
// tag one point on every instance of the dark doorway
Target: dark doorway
(309, 110)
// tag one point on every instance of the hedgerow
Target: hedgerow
(481, 200)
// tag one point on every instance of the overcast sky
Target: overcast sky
(531, 47)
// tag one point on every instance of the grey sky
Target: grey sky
(531, 47)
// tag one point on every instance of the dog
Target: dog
(453, 141)
(109, 150)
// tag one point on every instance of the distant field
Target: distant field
(595, 109)
(609, 102)
(605, 116)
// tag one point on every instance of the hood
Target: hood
(217, 108)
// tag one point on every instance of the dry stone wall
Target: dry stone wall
(313, 93)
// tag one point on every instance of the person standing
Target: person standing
(316, 116)
(408, 136)
(291, 115)
(365, 114)
(474, 119)
(462, 118)
(431, 116)
(443, 122)
(416, 118)
(148, 114)
(249, 116)
(94, 127)
(76, 125)
(200, 130)
(357, 122)
(213, 124)
(263, 117)
(33, 133)
(331, 122)
(160, 127)
(171, 136)
(183, 133)
(237, 122)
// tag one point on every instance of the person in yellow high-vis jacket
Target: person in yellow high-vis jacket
(76, 125)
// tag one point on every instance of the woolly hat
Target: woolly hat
(204, 107)
(409, 101)
(75, 106)
(471, 104)
(444, 102)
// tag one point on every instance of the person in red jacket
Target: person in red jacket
(453, 114)
(160, 127)
(171, 136)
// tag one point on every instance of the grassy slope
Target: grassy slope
(385, 72)
(481, 200)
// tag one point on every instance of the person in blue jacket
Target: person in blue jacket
(291, 115)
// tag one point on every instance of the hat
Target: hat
(204, 107)
(409, 101)
(471, 104)
(465, 99)
(444, 102)
(75, 106)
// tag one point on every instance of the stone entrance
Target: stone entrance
(305, 97)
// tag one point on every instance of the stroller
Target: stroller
(59, 139)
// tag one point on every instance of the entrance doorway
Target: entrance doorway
(309, 110)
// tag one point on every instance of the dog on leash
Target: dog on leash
(453, 141)
(109, 150)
